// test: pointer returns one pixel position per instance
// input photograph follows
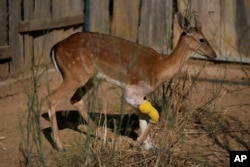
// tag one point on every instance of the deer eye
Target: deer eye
(202, 40)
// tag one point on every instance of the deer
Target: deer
(136, 69)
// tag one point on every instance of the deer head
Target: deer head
(195, 39)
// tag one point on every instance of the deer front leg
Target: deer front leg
(77, 102)
(52, 115)
(55, 131)
(52, 101)
(146, 108)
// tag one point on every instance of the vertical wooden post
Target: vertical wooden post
(43, 39)
(156, 23)
(3, 21)
(28, 39)
(62, 8)
(98, 16)
(86, 15)
(125, 19)
(4, 63)
(16, 43)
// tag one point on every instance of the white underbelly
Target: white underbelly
(133, 94)
(109, 80)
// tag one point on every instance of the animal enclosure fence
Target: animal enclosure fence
(29, 28)
(9, 37)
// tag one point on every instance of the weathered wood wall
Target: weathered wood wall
(10, 42)
(4, 48)
(29, 28)
(156, 24)
(145, 21)
(49, 14)
(226, 24)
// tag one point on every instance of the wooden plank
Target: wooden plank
(28, 39)
(42, 10)
(4, 70)
(225, 59)
(125, 19)
(50, 23)
(5, 52)
(4, 23)
(68, 8)
(242, 27)
(5, 55)
(16, 41)
(99, 21)
(58, 9)
(155, 25)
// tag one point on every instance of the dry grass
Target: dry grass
(193, 130)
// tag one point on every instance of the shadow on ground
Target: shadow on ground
(125, 124)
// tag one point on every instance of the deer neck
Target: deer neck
(174, 63)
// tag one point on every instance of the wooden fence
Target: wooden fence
(40, 17)
(145, 21)
(9, 37)
(226, 24)
(29, 28)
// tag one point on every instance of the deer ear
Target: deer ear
(197, 22)
(183, 23)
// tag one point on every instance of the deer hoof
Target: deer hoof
(62, 150)
(135, 144)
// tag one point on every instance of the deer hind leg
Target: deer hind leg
(52, 100)
(143, 123)
(147, 109)
(148, 116)
(79, 104)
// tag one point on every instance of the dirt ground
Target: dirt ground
(209, 136)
